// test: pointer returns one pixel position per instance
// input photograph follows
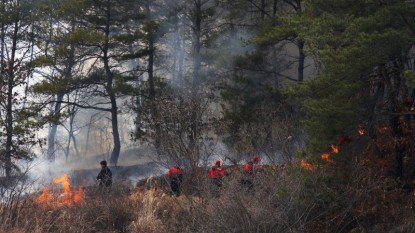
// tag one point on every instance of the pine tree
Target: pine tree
(252, 95)
(19, 122)
(103, 36)
(357, 45)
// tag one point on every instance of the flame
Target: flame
(68, 197)
(45, 196)
(325, 156)
(79, 194)
(64, 181)
(334, 149)
(306, 166)
(360, 132)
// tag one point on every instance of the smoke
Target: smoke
(220, 48)
(40, 172)
(221, 42)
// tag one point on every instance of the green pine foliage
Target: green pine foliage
(348, 39)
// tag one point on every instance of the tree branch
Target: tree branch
(259, 8)
(82, 106)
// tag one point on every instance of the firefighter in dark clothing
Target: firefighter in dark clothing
(175, 175)
(104, 177)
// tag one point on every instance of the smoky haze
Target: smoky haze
(92, 129)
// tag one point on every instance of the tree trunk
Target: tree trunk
(116, 136)
(71, 138)
(114, 110)
(9, 122)
(178, 57)
(87, 134)
(71, 135)
(68, 145)
(399, 148)
(194, 131)
(263, 10)
(9, 106)
(2, 63)
(70, 62)
(301, 59)
(150, 72)
(196, 45)
(396, 97)
(181, 59)
(54, 127)
(75, 145)
(274, 54)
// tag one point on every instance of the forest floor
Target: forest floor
(284, 199)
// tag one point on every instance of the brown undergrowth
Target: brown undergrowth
(362, 196)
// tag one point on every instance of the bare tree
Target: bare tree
(176, 117)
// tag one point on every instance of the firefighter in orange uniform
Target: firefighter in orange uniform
(175, 175)
(216, 175)
(249, 171)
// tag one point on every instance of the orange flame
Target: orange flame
(325, 156)
(77, 198)
(64, 181)
(306, 166)
(79, 194)
(334, 149)
(45, 196)
(68, 197)
(360, 132)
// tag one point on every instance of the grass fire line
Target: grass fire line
(50, 198)
(326, 155)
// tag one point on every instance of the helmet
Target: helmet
(217, 162)
(256, 158)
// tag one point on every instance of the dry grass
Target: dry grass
(96, 213)
(281, 201)
(152, 211)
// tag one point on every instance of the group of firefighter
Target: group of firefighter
(216, 175)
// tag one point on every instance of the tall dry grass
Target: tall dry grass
(96, 213)
(155, 211)
(265, 208)
(282, 200)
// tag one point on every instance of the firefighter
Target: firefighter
(216, 174)
(247, 176)
(175, 175)
(249, 171)
(104, 177)
(257, 167)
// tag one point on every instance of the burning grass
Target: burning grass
(306, 166)
(95, 212)
(141, 210)
(354, 197)
(55, 198)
